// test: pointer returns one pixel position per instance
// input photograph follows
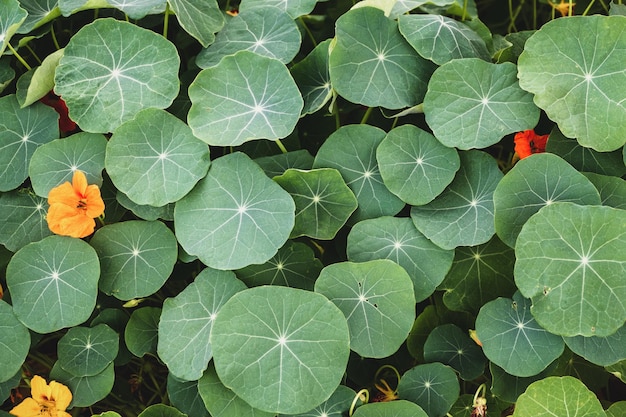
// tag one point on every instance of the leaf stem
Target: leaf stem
(363, 395)
(464, 15)
(367, 114)
(166, 19)
(32, 52)
(586, 10)
(281, 146)
(18, 56)
(54, 37)
(308, 31)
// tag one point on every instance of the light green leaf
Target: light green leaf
(24, 217)
(200, 18)
(54, 163)
(398, 408)
(372, 64)
(14, 342)
(11, 18)
(573, 66)
(414, 165)
(336, 406)
(397, 239)
(141, 332)
(277, 164)
(433, 386)
(463, 214)
(69, 7)
(87, 351)
(313, 78)
(558, 396)
(293, 340)
(612, 189)
(244, 97)
(441, 39)
(39, 13)
(187, 320)
(113, 69)
(602, 351)
(294, 8)
(86, 390)
(235, 216)
(533, 183)
(513, 340)
(570, 262)
(471, 103)
(137, 9)
(402, 6)
(40, 81)
(53, 283)
(266, 31)
(452, 346)
(136, 257)
(21, 132)
(323, 201)
(377, 299)
(161, 410)
(185, 397)
(145, 212)
(155, 159)
(619, 408)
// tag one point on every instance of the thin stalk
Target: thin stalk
(18, 56)
(308, 31)
(366, 115)
(535, 14)
(281, 146)
(32, 52)
(166, 19)
(54, 37)
(586, 10)
(464, 10)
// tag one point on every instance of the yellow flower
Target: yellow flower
(73, 207)
(563, 7)
(47, 400)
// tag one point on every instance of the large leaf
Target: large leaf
(377, 299)
(471, 103)
(433, 386)
(24, 219)
(573, 66)
(200, 18)
(571, 263)
(53, 283)
(372, 64)
(14, 342)
(244, 97)
(87, 351)
(235, 216)
(11, 18)
(113, 69)
(295, 341)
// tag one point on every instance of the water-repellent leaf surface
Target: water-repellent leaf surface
(155, 159)
(11, 18)
(372, 64)
(558, 396)
(200, 18)
(452, 346)
(323, 201)
(571, 263)
(87, 351)
(462, 215)
(24, 217)
(414, 165)
(398, 408)
(111, 70)
(352, 151)
(14, 342)
(471, 103)
(43, 277)
(187, 319)
(532, 184)
(244, 97)
(432, 386)
(266, 31)
(235, 216)
(294, 341)
(377, 299)
(313, 78)
(136, 257)
(397, 239)
(574, 67)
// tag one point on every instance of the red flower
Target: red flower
(528, 143)
(65, 123)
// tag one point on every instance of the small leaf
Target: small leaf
(87, 351)
(295, 8)
(336, 406)
(185, 397)
(141, 332)
(86, 390)
(274, 165)
(24, 217)
(200, 18)
(612, 189)
(14, 341)
(452, 346)
(313, 78)
(398, 408)
(433, 386)
(137, 9)
(161, 410)
(602, 351)
(40, 80)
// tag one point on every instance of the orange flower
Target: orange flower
(47, 400)
(563, 7)
(73, 207)
(528, 143)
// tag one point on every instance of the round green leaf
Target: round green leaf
(145, 211)
(532, 184)
(414, 165)
(295, 8)
(433, 386)
(463, 214)
(294, 265)
(21, 132)
(185, 397)
(266, 31)
(337, 405)
(117, 319)
(441, 39)
(602, 351)
(612, 189)
(479, 274)
(14, 342)
(187, 319)
(87, 351)
(201, 19)
(295, 341)
(86, 390)
(8, 385)
(372, 64)
(397, 239)
(508, 387)
(161, 410)
(398, 408)
(55, 162)
(7, 73)
(452, 346)
(38, 82)
(352, 151)
(571, 263)
(274, 165)
(313, 78)
(323, 201)
(155, 159)
(619, 408)
(573, 66)
(53, 283)
(235, 216)
(141, 332)
(244, 97)
(136, 257)
(113, 69)
(137, 9)
(513, 340)
(558, 396)
(377, 299)
(11, 18)
(24, 217)
(471, 103)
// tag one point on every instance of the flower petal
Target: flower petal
(27, 408)
(63, 194)
(79, 182)
(95, 205)
(40, 391)
(61, 395)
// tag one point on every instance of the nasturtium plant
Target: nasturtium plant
(368, 208)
